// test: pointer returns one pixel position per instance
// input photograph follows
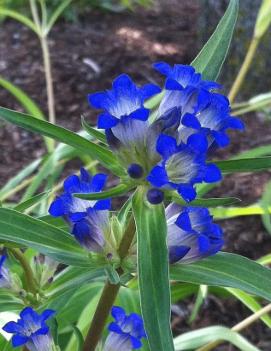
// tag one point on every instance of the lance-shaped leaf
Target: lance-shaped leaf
(27, 231)
(98, 152)
(245, 165)
(153, 272)
(118, 190)
(95, 133)
(227, 270)
(211, 202)
(212, 56)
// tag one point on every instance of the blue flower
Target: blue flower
(126, 332)
(192, 235)
(31, 330)
(124, 100)
(182, 76)
(182, 166)
(134, 142)
(74, 208)
(90, 231)
(211, 117)
(5, 278)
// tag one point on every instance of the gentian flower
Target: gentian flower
(5, 278)
(182, 167)
(126, 332)
(31, 330)
(182, 76)
(211, 117)
(124, 100)
(73, 208)
(91, 231)
(192, 235)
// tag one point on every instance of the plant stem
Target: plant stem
(238, 327)
(48, 78)
(244, 69)
(30, 280)
(46, 56)
(109, 294)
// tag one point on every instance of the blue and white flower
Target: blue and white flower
(92, 230)
(126, 332)
(211, 118)
(182, 166)
(31, 330)
(180, 77)
(124, 100)
(192, 235)
(73, 208)
(5, 278)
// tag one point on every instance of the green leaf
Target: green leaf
(18, 179)
(118, 190)
(244, 165)
(227, 270)
(212, 56)
(57, 12)
(8, 302)
(153, 272)
(263, 19)
(265, 203)
(197, 338)
(211, 202)
(79, 338)
(24, 230)
(22, 206)
(98, 152)
(20, 18)
(93, 131)
(29, 105)
(251, 303)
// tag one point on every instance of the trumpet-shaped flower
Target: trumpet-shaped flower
(124, 100)
(180, 77)
(192, 235)
(182, 166)
(126, 332)
(5, 278)
(211, 118)
(73, 208)
(31, 330)
(90, 231)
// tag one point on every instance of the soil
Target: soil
(86, 56)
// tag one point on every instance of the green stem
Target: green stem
(244, 69)
(48, 78)
(109, 294)
(31, 284)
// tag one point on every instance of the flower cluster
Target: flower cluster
(31, 330)
(168, 148)
(126, 332)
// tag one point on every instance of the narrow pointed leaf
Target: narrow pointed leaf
(22, 206)
(211, 202)
(212, 56)
(245, 165)
(27, 231)
(97, 152)
(153, 272)
(118, 190)
(95, 133)
(227, 270)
